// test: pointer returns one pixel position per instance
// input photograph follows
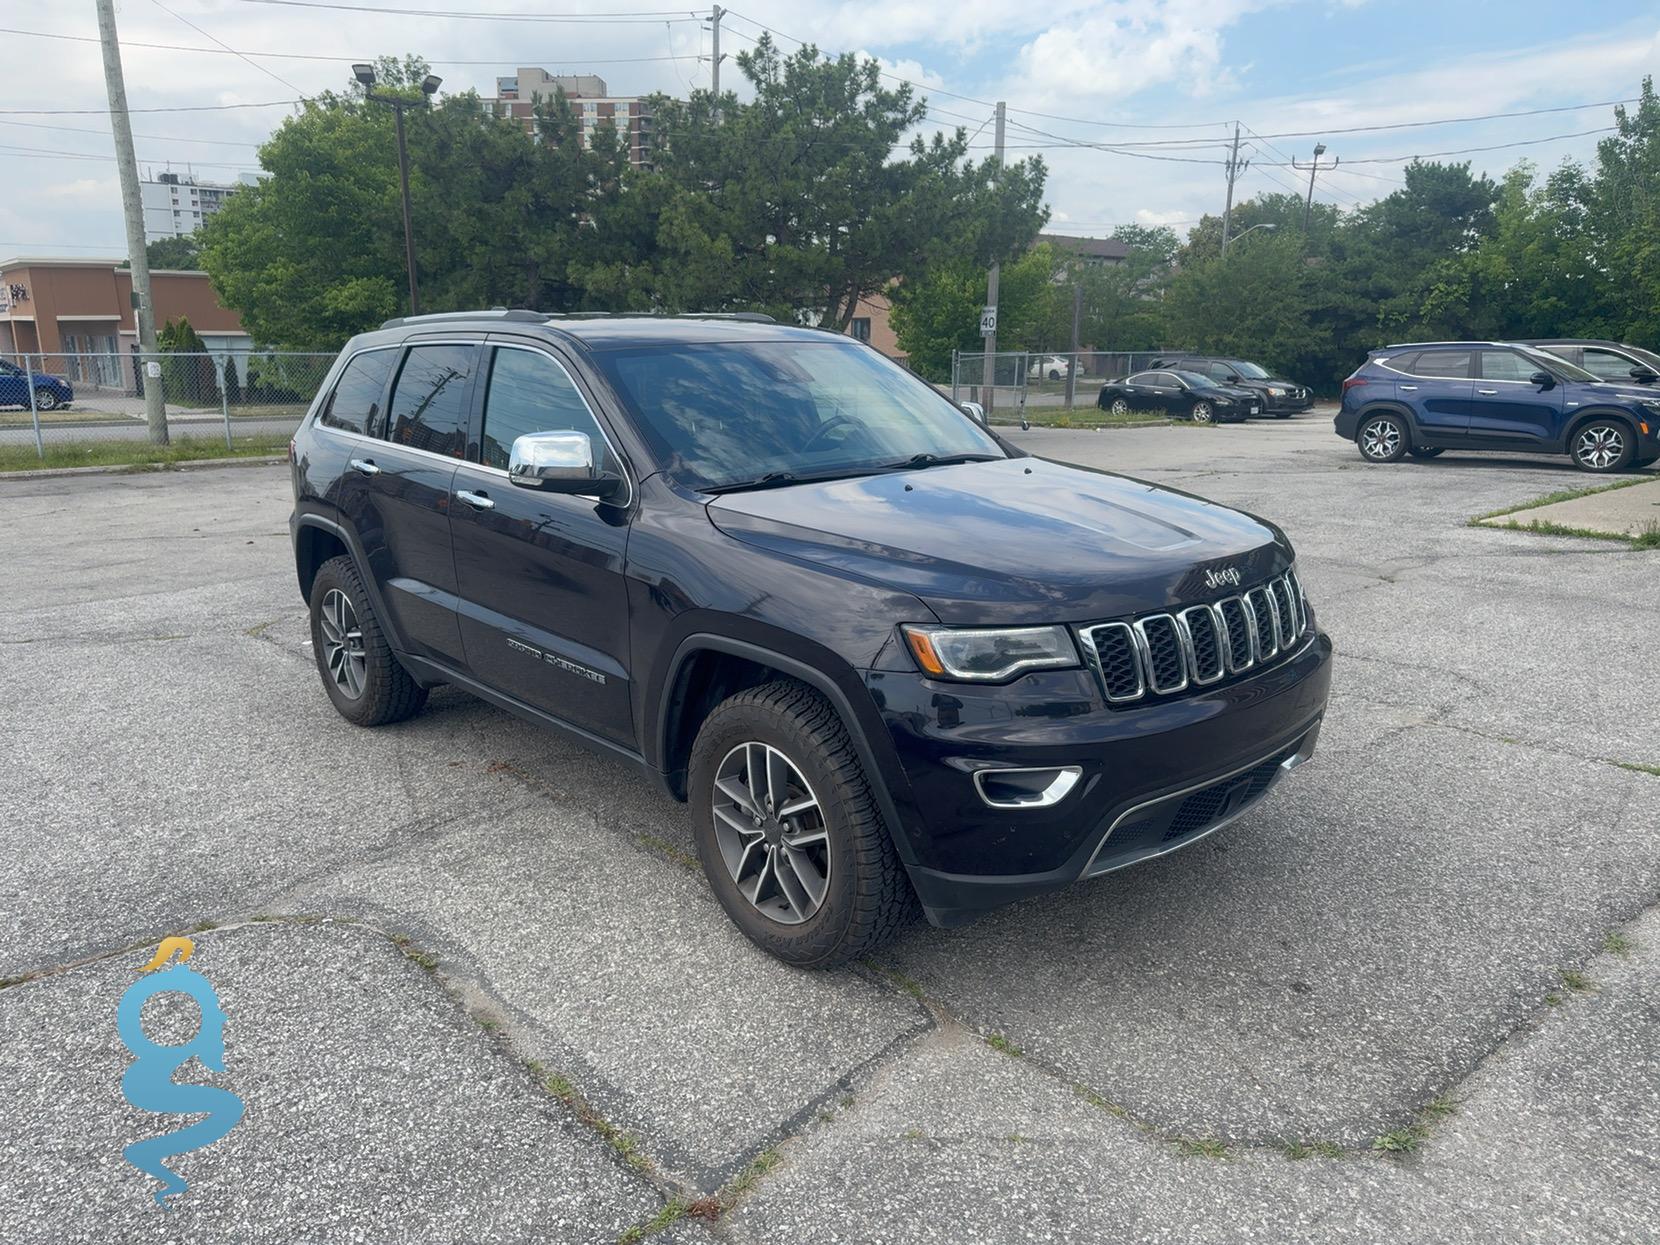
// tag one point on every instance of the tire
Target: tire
(45, 399)
(1425, 451)
(864, 896)
(1602, 446)
(367, 683)
(1282, 414)
(1382, 438)
(1120, 406)
(1202, 413)
(1054, 375)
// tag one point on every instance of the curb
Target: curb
(121, 469)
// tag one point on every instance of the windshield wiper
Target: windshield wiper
(778, 479)
(926, 459)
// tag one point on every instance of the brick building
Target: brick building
(518, 95)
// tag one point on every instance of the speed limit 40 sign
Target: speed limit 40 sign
(988, 321)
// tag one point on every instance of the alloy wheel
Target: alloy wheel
(771, 833)
(343, 653)
(1599, 446)
(1380, 439)
(1120, 407)
(1201, 412)
(45, 400)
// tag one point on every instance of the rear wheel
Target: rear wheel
(1425, 451)
(1602, 445)
(789, 832)
(1203, 413)
(1382, 438)
(360, 672)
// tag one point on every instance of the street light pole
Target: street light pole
(1267, 224)
(1313, 169)
(366, 75)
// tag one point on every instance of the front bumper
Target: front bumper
(1154, 777)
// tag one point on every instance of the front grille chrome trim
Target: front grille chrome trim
(1273, 615)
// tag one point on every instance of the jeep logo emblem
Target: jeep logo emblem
(1227, 575)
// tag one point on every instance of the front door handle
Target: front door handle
(365, 466)
(478, 501)
(1414, 388)
(1487, 392)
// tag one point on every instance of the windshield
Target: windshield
(1561, 367)
(1646, 356)
(1195, 380)
(717, 415)
(1248, 370)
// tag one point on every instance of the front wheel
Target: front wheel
(1203, 413)
(789, 832)
(1382, 439)
(1603, 445)
(45, 399)
(1120, 407)
(360, 672)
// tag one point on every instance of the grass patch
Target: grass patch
(909, 985)
(664, 1219)
(1309, 1149)
(63, 415)
(1566, 494)
(1638, 767)
(1003, 1046)
(138, 453)
(745, 1181)
(1091, 417)
(1546, 528)
(1400, 1140)
(1200, 1147)
(1616, 943)
(1576, 981)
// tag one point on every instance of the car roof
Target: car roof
(1569, 341)
(603, 330)
(1445, 345)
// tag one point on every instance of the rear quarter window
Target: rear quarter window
(355, 404)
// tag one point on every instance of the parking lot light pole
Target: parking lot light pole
(1267, 224)
(366, 75)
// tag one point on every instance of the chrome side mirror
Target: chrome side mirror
(974, 411)
(559, 462)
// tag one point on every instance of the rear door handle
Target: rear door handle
(365, 466)
(1488, 392)
(478, 501)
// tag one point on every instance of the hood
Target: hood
(1243, 391)
(1616, 390)
(1018, 540)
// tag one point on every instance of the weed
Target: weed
(1639, 767)
(1550, 499)
(1401, 1140)
(670, 1215)
(1553, 1000)
(1576, 980)
(1003, 1046)
(138, 453)
(1617, 943)
(745, 1181)
(1200, 1147)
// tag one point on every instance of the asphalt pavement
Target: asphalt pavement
(475, 991)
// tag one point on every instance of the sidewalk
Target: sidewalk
(1621, 510)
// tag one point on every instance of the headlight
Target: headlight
(1221, 401)
(1278, 393)
(987, 655)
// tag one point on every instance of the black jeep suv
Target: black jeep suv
(888, 657)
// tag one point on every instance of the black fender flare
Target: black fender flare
(861, 718)
(354, 549)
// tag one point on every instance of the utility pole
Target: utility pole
(365, 74)
(1313, 169)
(714, 53)
(1234, 169)
(988, 369)
(144, 311)
(1077, 328)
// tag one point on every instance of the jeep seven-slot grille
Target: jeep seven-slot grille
(1164, 654)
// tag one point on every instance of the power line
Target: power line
(158, 138)
(344, 60)
(104, 112)
(1464, 151)
(269, 73)
(1488, 116)
(582, 19)
(46, 153)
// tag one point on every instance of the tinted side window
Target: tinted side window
(1607, 365)
(355, 403)
(1217, 371)
(1447, 363)
(529, 392)
(429, 404)
(1143, 378)
(1506, 365)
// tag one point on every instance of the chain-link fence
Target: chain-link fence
(1011, 381)
(51, 402)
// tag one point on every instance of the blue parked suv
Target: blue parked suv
(1421, 398)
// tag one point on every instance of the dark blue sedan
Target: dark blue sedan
(51, 392)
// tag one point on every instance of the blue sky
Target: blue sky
(1100, 70)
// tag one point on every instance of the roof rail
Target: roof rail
(516, 314)
(753, 317)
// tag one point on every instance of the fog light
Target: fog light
(1026, 788)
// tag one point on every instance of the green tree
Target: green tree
(1123, 307)
(1623, 217)
(795, 203)
(187, 373)
(940, 311)
(175, 253)
(1251, 302)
